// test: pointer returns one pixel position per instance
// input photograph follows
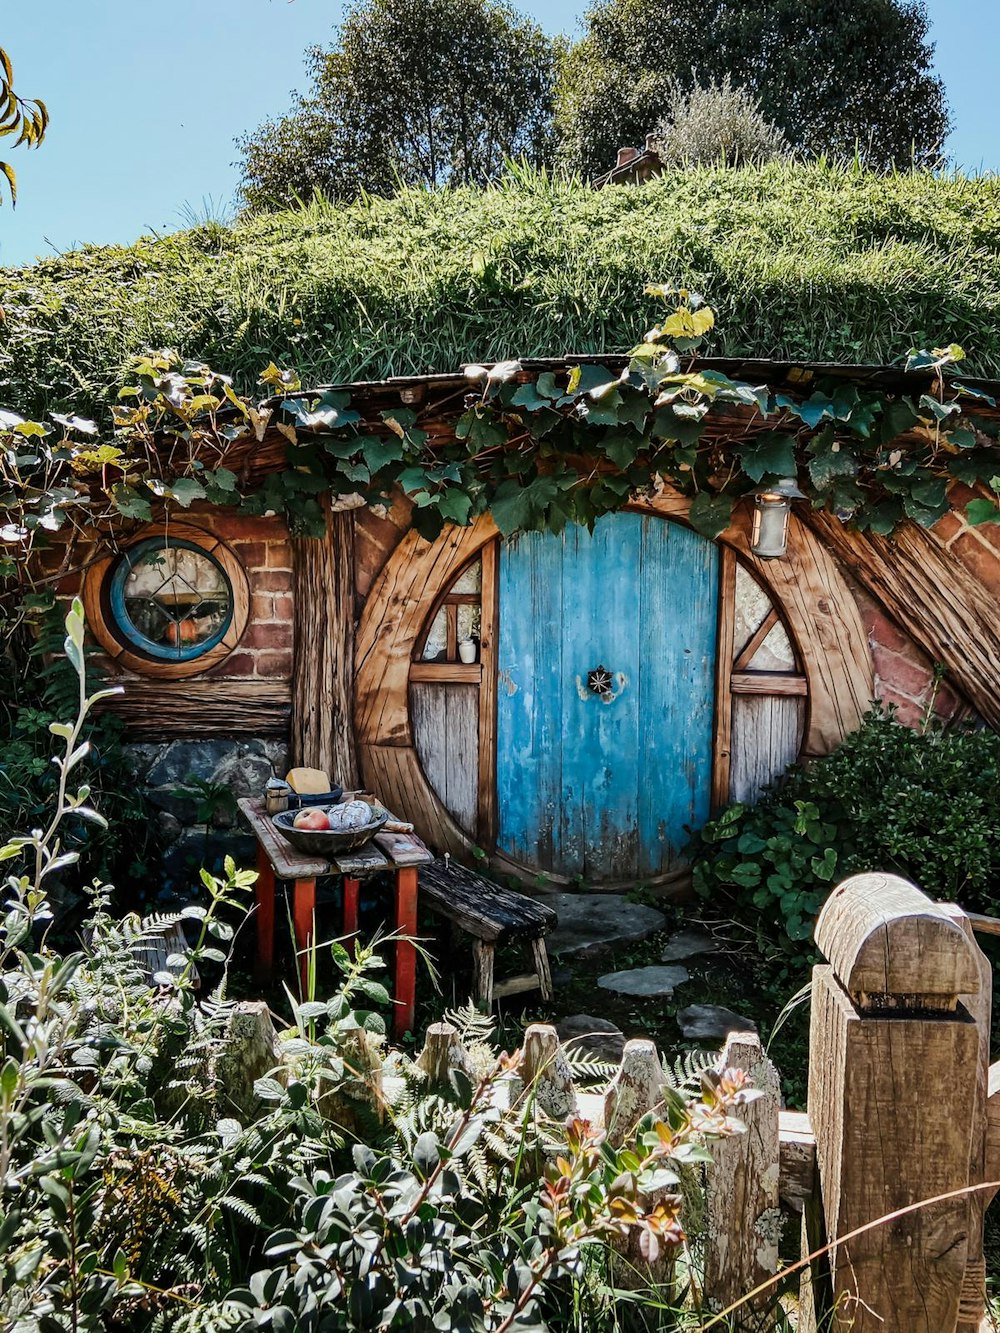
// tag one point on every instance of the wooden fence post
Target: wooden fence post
(893, 1073)
(742, 1216)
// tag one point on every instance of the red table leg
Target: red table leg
(303, 918)
(352, 889)
(264, 893)
(406, 955)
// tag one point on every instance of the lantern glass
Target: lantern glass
(769, 538)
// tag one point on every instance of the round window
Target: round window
(170, 599)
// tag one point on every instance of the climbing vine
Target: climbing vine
(539, 449)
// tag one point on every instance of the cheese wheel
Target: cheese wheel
(308, 781)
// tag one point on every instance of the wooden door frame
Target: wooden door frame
(807, 588)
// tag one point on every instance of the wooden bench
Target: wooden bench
(492, 916)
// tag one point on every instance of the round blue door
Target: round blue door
(606, 697)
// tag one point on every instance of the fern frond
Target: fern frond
(684, 1073)
(240, 1208)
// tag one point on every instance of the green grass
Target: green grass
(812, 262)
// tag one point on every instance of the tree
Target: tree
(833, 77)
(423, 92)
(27, 119)
(717, 123)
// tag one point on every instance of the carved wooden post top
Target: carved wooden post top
(891, 947)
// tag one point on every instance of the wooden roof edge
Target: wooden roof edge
(893, 378)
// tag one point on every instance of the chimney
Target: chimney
(625, 156)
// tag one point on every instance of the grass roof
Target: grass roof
(810, 262)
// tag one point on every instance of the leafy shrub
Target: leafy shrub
(141, 1190)
(43, 689)
(717, 123)
(925, 805)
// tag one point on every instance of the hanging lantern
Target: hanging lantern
(772, 508)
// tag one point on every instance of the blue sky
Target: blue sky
(146, 101)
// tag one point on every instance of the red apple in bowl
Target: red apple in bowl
(313, 820)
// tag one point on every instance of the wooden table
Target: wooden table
(400, 853)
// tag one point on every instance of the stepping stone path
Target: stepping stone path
(595, 1038)
(655, 982)
(711, 1022)
(688, 944)
(589, 923)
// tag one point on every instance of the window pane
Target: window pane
(775, 653)
(436, 647)
(752, 606)
(469, 619)
(174, 599)
(471, 580)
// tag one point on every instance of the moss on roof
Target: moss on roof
(810, 262)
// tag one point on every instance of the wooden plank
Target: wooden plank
(287, 861)
(264, 895)
(445, 721)
(367, 860)
(395, 773)
(798, 1182)
(972, 1301)
(885, 938)
(322, 731)
(868, 1076)
(451, 622)
(515, 985)
(722, 739)
(532, 806)
(933, 597)
(984, 925)
(678, 580)
(403, 596)
(486, 797)
(403, 849)
(747, 652)
(742, 1218)
(485, 910)
(767, 735)
(441, 673)
(598, 752)
(221, 706)
(405, 987)
(820, 611)
(768, 682)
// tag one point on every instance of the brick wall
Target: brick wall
(903, 673)
(261, 545)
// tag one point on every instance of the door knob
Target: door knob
(599, 681)
(600, 684)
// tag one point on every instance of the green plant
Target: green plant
(428, 92)
(407, 1224)
(925, 805)
(877, 97)
(716, 123)
(44, 688)
(27, 119)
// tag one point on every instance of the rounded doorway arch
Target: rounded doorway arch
(806, 589)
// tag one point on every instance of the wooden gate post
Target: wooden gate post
(893, 1071)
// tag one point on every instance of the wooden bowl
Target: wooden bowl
(326, 842)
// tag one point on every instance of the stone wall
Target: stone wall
(170, 773)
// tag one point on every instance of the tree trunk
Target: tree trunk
(322, 731)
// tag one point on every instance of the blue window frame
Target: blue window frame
(170, 599)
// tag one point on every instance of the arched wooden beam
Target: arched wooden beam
(397, 607)
(807, 586)
(931, 595)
